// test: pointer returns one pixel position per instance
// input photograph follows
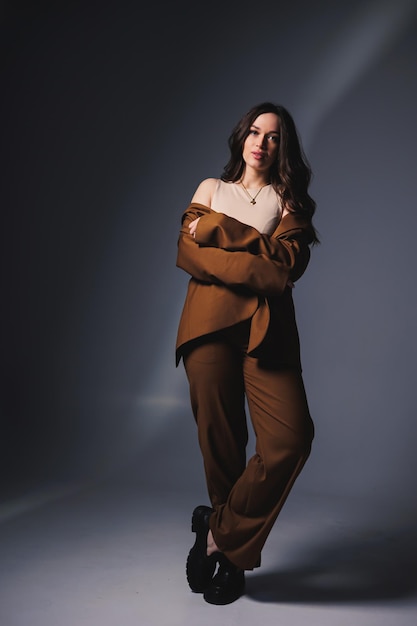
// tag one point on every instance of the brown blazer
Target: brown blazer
(239, 274)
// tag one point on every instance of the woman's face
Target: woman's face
(261, 145)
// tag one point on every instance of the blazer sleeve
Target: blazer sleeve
(264, 273)
(294, 234)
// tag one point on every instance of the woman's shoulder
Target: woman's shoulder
(205, 191)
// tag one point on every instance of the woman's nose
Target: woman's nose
(261, 141)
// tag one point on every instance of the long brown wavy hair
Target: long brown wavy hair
(290, 175)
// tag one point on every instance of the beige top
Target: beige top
(232, 200)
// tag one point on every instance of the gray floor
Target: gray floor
(111, 554)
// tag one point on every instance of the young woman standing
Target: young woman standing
(245, 240)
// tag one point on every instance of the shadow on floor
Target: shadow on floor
(367, 568)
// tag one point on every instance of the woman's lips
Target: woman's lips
(258, 155)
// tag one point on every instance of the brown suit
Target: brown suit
(237, 274)
(238, 339)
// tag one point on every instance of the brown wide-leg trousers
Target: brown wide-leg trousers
(246, 496)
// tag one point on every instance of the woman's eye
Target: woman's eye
(273, 138)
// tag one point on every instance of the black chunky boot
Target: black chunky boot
(227, 585)
(200, 567)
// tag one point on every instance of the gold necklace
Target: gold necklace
(252, 198)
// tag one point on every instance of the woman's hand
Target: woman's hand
(193, 226)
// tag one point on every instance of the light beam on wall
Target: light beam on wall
(348, 55)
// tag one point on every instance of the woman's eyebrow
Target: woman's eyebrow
(269, 132)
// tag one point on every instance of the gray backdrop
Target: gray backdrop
(112, 114)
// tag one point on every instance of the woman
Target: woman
(245, 240)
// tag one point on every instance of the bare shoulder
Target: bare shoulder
(204, 192)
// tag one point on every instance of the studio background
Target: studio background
(112, 114)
